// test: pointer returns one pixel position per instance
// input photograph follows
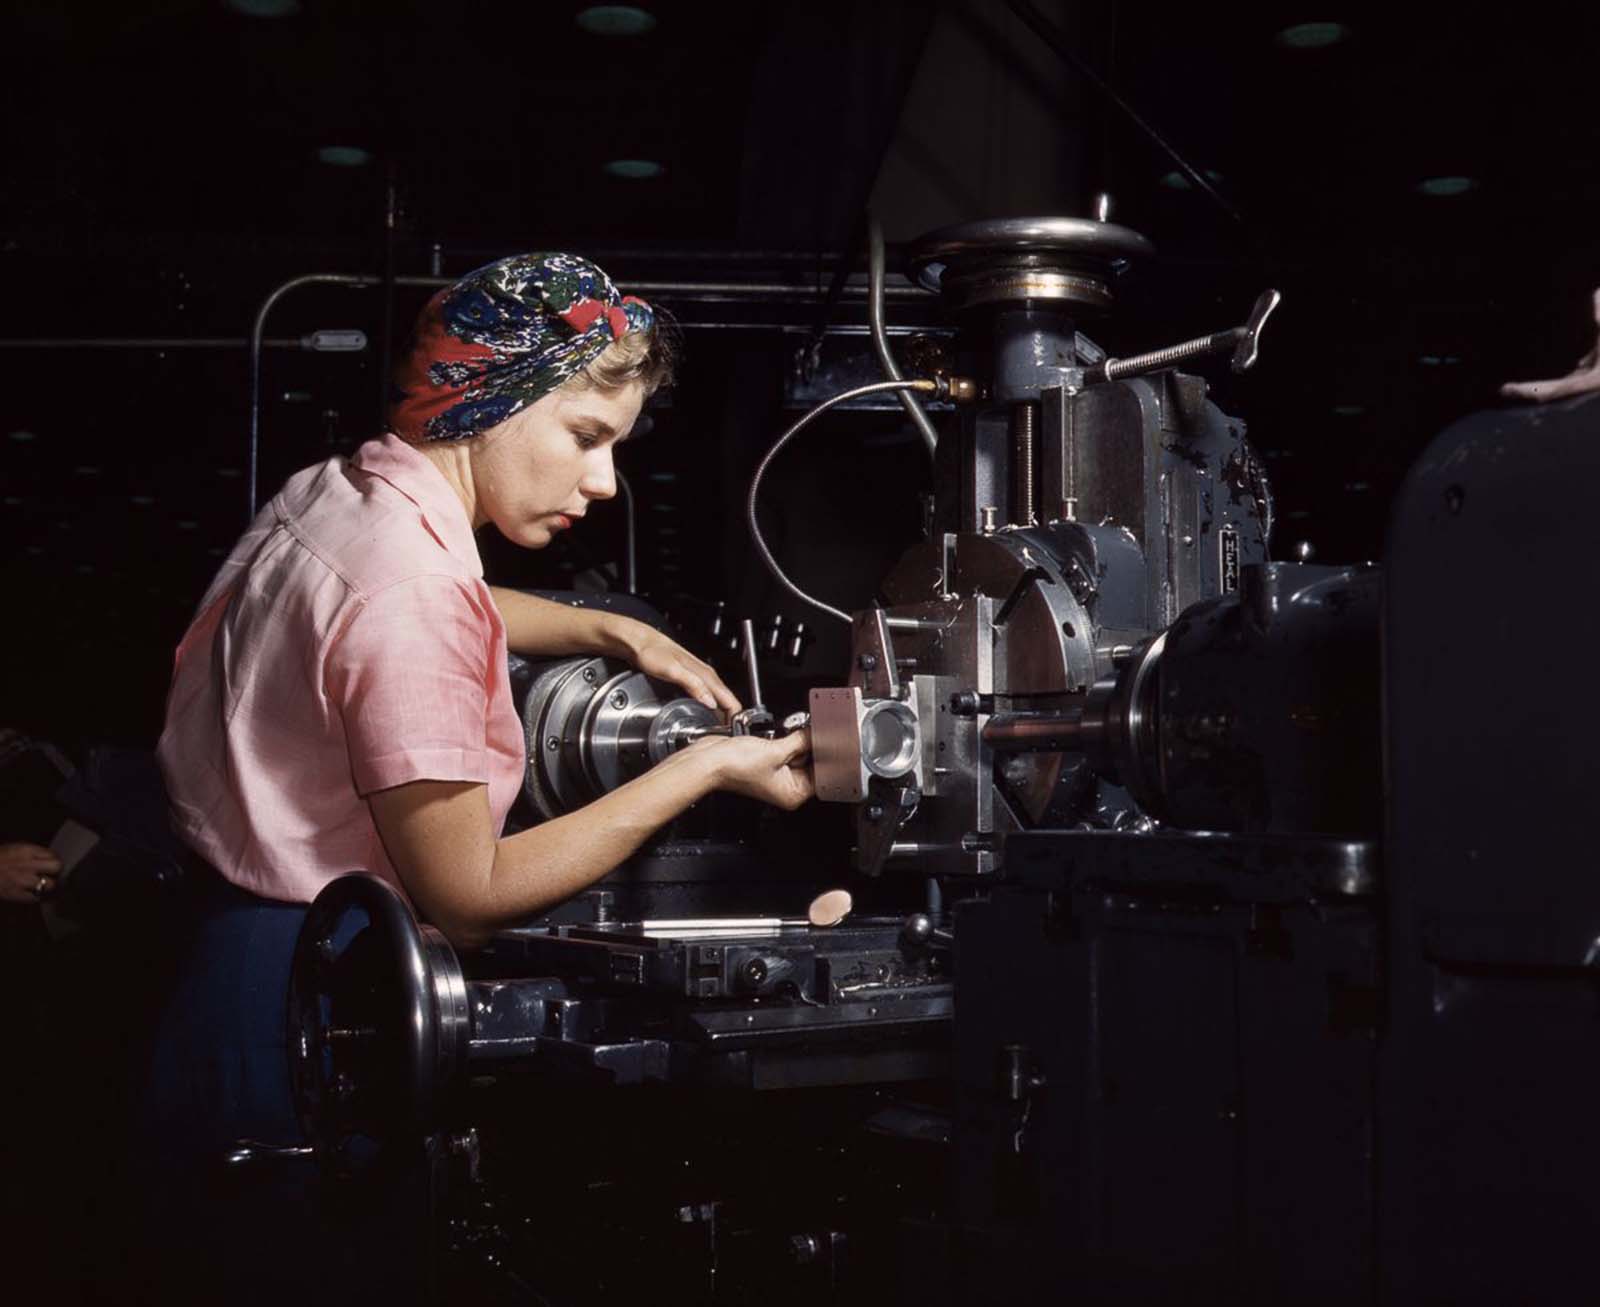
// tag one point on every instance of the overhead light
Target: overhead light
(1447, 185)
(186, 524)
(1349, 410)
(345, 156)
(86, 470)
(143, 501)
(229, 473)
(1179, 181)
(615, 20)
(1313, 36)
(22, 437)
(265, 8)
(634, 169)
(1357, 487)
(13, 500)
(1438, 360)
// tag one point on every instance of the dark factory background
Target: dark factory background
(1419, 183)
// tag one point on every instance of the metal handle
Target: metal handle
(1243, 342)
(752, 672)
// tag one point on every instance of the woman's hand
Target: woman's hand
(27, 872)
(774, 771)
(660, 656)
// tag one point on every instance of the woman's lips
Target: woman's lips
(563, 522)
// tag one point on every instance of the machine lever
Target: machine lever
(1242, 342)
(752, 672)
(920, 931)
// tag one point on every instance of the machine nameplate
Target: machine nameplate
(1228, 544)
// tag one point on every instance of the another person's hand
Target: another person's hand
(774, 771)
(1583, 378)
(664, 658)
(27, 873)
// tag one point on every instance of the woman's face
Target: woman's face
(536, 473)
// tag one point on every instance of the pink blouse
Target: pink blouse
(348, 644)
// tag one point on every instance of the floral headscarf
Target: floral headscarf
(502, 337)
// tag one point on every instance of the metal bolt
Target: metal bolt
(988, 511)
(589, 674)
(1304, 551)
(875, 812)
(619, 699)
(868, 662)
(553, 743)
(1188, 541)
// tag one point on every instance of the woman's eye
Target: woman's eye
(585, 441)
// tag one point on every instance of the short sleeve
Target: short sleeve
(410, 677)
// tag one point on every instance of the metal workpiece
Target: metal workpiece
(854, 739)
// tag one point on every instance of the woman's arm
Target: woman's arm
(440, 839)
(543, 628)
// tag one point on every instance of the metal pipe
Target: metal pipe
(761, 470)
(630, 572)
(880, 340)
(257, 335)
(1035, 732)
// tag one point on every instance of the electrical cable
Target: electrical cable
(880, 337)
(926, 386)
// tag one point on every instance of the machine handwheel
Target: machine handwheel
(377, 1019)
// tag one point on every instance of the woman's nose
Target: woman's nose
(599, 479)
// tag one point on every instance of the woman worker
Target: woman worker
(342, 699)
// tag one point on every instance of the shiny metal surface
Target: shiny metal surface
(1065, 261)
(880, 338)
(836, 763)
(592, 724)
(1069, 239)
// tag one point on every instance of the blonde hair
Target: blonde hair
(649, 357)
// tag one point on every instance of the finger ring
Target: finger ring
(43, 881)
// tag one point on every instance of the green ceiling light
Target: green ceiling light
(1441, 186)
(634, 169)
(615, 20)
(23, 437)
(1349, 410)
(1313, 36)
(1179, 181)
(345, 156)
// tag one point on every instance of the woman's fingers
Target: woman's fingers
(795, 746)
(722, 697)
(29, 857)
